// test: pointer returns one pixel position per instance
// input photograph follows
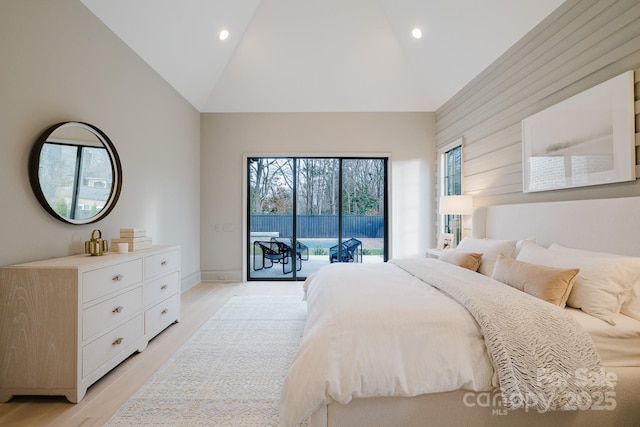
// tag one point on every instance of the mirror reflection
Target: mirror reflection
(75, 172)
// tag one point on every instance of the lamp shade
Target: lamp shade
(456, 205)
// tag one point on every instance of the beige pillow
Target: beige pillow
(547, 283)
(468, 260)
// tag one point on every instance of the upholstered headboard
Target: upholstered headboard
(605, 225)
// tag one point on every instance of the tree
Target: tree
(271, 186)
(61, 208)
(270, 180)
(363, 186)
(317, 181)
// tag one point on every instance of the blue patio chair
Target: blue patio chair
(351, 251)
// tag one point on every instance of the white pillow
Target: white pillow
(519, 244)
(602, 283)
(631, 305)
(489, 248)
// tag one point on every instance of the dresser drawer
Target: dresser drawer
(104, 281)
(155, 265)
(162, 315)
(111, 312)
(162, 288)
(111, 344)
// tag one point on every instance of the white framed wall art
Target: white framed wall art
(585, 140)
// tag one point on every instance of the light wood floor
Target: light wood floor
(106, 396)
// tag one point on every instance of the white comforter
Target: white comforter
(375, 330)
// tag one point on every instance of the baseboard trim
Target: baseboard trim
(189, 281)
(221, 276)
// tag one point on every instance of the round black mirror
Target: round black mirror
(75, 172)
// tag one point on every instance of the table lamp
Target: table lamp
(456, 205)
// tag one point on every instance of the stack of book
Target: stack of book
(135, 237)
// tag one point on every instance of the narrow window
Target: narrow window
(451, 178)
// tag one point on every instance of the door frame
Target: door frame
(245, 205)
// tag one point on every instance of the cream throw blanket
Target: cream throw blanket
(544, 359)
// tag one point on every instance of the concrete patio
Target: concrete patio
(314, 263)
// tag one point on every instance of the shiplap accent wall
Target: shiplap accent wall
(581, 44)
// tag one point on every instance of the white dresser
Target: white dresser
(66, 322)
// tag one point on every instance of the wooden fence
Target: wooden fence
(320, 226)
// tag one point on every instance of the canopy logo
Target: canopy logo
(596, 393)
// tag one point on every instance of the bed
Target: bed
(465, 341)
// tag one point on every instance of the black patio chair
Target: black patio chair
(302, 251)
(273, 252)
(351, 251)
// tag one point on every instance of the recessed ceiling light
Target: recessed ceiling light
(224, 34)
(416, 33)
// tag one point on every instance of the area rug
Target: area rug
(229, 373)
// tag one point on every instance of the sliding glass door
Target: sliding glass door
(271, 206)
(304, 213)
(317, 208)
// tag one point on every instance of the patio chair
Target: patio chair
(302, 251)
(351, 251)
(272, 252)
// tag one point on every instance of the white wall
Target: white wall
(59, 63)
(409, 138)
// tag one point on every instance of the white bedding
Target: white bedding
(617, 345)
(396, 330)
(409, 337)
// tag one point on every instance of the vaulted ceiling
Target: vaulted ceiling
(319, 55)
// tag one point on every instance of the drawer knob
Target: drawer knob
(118, 278)
(164, 287)
(118, 309)
(165, 311)
(164, 262)
(118, 341)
